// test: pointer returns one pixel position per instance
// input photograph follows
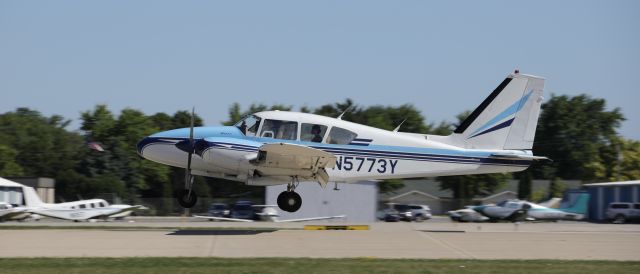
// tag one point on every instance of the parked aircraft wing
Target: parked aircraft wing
(10, 213)
(81, 214)
(124, 208)
(222, 219)
(285, 159)
(64, 214)
(311, 219)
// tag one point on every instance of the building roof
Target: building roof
(37, 182)
(414, 192)
(623, 183)
(496, 195)
(5, 182)
(432, 187)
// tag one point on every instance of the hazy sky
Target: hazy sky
(63, 57)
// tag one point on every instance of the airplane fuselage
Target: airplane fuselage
(282, 147)
(224, 151)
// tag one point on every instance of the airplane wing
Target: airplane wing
(311, 219)
(9, 214)
(285, 159)
(124, 208)
(222, 219)
(64, 214)
(81, 214)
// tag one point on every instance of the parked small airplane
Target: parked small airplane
(268, 214)
(518, 210)
(77, 210)
(281, 147)
(466, 215)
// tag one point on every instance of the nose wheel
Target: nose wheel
(187, 198)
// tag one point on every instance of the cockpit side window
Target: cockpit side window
(249, 125)
(312, 132)
(278, 129)
(340, 136)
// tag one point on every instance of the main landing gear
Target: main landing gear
(289, 200)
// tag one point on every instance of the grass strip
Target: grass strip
(308, 265)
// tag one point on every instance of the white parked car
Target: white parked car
(420, 212)
(622, 212)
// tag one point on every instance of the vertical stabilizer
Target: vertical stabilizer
(508, 118)
(31, 198)
(580, 206)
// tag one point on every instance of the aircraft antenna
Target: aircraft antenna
(344, 112)
(398, 127)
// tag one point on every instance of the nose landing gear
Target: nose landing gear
(187, 198)
(289, 200)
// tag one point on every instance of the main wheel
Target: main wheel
(185, 200)
(289, 201)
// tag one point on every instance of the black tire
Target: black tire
(185, 200)
(281, 200)
(289, 201)
(295, 201)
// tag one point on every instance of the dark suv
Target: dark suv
(218, 210)
(243, 210)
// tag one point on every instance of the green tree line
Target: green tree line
(578, 133)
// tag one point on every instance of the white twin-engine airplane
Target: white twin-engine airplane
(281, 147)
(77, 210)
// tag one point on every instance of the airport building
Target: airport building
(358, 201)
(602, 194)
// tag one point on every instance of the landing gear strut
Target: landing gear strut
(289, 200)
(187, 198)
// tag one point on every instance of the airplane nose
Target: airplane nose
(142, 144)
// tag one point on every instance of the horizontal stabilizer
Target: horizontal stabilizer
(519, 157)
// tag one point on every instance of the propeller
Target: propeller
(188, 179)
(187, 197)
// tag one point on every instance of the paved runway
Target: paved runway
(438, 239)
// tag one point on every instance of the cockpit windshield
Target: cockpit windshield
(249, 125)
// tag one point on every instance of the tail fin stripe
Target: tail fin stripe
(467, 122)
(502, 125)
(511, 110)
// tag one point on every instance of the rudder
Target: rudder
(508, 118)
(31, 198)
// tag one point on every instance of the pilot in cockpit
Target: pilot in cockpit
(243, 127)
(317, 136)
